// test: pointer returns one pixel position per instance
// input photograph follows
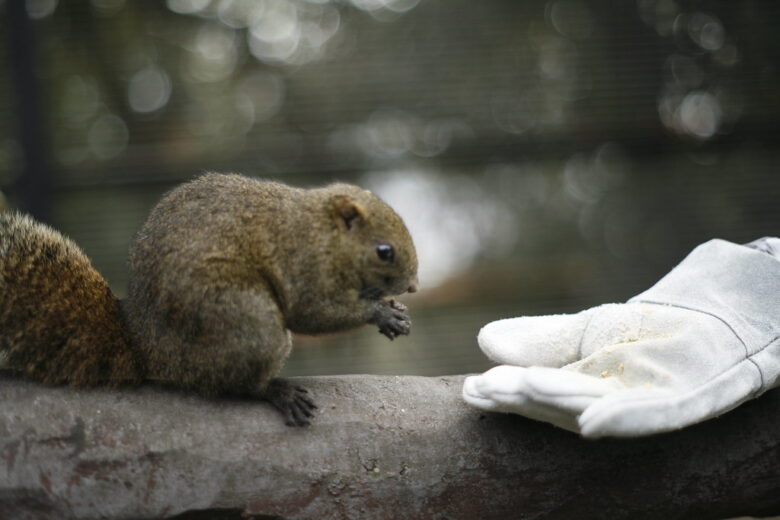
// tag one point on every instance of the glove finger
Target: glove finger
(497, 384)
(631, 413)
(488, 394)
(548, 394)
(556, 382)
(551, 341)
(566, 390)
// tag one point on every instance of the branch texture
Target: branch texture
(379, 447)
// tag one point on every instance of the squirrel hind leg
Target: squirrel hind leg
(291, 400)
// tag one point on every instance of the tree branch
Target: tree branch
(379, 447)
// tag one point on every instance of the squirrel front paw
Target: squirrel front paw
(392, 319)
(291, 400)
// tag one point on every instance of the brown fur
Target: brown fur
(225, 265)
(222, 270)
(59, 322)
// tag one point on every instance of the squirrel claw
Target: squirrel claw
(291, 401)
(392, 320)
(397, 305)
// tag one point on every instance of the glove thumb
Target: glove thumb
(547, 341)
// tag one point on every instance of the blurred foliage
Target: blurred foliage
(547, 155)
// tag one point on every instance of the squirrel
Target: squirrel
(222, 271)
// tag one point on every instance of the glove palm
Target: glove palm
(703, 340)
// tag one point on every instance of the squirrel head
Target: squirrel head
(386, 260)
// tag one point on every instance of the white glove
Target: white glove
(703, 340)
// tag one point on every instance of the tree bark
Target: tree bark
(379, 447)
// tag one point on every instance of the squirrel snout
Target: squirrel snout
(413, 286)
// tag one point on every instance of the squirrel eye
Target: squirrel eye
(385, 252)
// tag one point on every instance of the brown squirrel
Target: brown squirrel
(223, 269)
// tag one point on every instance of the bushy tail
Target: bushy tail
(59, 321)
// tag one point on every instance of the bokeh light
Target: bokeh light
(107, 136)
(452, 220)
(547, 155)
(149, 90)
(38, 9)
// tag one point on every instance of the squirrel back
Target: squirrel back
(59, 321)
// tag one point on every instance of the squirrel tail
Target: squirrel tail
(59, 321)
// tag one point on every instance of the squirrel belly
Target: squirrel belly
(59, 321)
(223, 269)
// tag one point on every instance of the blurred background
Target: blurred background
(547, 155)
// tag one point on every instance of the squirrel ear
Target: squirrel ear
(347, 211)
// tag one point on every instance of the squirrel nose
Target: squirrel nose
(413, 286)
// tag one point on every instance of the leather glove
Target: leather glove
(703, 340)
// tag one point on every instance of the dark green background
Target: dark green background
(548, 156)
